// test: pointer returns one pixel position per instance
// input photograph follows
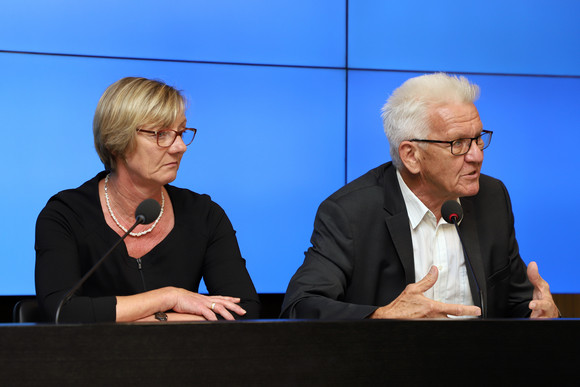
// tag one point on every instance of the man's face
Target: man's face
(447, 176)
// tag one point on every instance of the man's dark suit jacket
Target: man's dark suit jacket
(362, 254)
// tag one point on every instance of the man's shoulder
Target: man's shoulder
(492, 192)
(366, 187)
(489, 185)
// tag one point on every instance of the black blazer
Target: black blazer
(362, 255)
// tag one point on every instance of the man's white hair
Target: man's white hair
(406, 113)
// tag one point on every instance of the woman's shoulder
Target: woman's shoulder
(184, 199)
(197, 211)
(76, 200)
(186, 195)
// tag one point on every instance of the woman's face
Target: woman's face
(149, 163)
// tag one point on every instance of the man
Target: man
(380, 248)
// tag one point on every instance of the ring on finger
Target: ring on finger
(212, 305)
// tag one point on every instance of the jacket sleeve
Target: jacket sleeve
(520, 288)
(318, 288)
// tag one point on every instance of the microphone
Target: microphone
(147, 211)
(452, 212)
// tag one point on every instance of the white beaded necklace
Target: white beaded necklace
(135, 234)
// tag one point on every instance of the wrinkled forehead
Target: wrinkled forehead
(455, 120)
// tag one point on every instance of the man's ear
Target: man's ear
(409, 154)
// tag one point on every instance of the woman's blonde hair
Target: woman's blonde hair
(127, 105)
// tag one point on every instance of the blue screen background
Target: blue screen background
(286, 96)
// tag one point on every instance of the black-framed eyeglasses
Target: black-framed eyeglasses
(461, 146)
(166, 138)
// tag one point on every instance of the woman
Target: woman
(140, 135)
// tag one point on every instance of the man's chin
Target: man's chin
(471, 190)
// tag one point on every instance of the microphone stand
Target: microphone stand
(139, 219)
(481, 300)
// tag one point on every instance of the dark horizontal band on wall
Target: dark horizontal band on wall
(569, 305)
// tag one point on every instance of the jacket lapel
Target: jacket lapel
(397, 222)
(468, 229)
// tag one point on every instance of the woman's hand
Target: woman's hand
(206, 306)
(142, 306)
(172, 316)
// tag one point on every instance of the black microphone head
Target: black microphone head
(451, 211)
(147, 211)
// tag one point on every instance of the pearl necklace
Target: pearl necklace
(135, 234)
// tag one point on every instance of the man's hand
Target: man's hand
(542, 304)
(413, 304)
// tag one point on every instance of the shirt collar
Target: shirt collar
(415, 207)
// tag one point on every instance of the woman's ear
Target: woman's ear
(409, 154)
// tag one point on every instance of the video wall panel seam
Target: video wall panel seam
(172, 60)
(465, 73)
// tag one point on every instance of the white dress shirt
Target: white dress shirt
(436, 244)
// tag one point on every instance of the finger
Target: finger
(233, 307)
(539, 305)
(537, 312)
(533, 273)
(535, 277)
(230, 303)
(221, 307)
(428, 281)
(227, 298)
(543, 308)
(541, 287)
(222, 311)
(208, 314)
(460, 310)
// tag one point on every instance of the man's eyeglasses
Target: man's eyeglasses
(461, 146)
(166, 138)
